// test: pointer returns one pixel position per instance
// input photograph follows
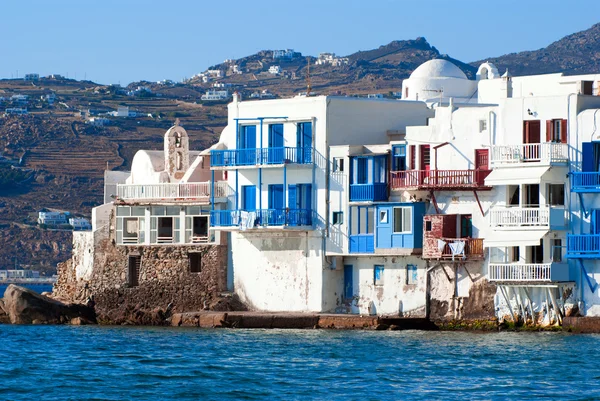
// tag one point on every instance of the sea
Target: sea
(148, 363)
(39, 288)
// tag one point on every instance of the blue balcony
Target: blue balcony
(261, 156)
(261, 218)
(583, 246)
(368, 192)
(588, 181)
(362, 243)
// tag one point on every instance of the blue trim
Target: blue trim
(237, 133)
(260, 188)
(237, 190)
(284, 184)
(212, 190)
(258, 118)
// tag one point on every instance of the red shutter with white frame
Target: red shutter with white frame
(549, 129)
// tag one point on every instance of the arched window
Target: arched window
(178, 139)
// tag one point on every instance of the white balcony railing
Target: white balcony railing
(195, 190)
(520, 272)
(544, 153)
(519, 217)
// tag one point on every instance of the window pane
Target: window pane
(407, 219)
(398, 219)
(138, 211)
(123, 211)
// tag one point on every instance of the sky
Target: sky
(121, 41)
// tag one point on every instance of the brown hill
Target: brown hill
(578, 53)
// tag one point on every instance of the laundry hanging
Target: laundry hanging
(457, 248)
(441, 244)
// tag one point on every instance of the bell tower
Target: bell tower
(177, 157)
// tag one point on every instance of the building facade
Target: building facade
(468, 199)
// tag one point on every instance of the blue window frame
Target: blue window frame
(378, 274)
(398, 157)
(300, 204)
(411, 274)
(276, 151)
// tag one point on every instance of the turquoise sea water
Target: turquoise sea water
(128, 363)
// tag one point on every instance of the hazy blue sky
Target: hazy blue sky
(111, 41)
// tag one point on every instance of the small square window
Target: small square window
(428, 226)
(378, 275)
(402, 220)
(383, 216)
(338, 218)
(195, 262)
(338, 164)
(482, 125)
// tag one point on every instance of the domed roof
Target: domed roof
(438, 68)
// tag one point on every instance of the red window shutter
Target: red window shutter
(549, 129)
(412, 156)
(563, 131)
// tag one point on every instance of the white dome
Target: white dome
(438, 68)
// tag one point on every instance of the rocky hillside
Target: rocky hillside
(578, 53)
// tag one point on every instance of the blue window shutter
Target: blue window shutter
(306, 196)
(249, 197)
(249, 137)
(587, 156)
(292, 198)
(276, 196)
(276, 135)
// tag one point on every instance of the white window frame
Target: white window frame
(407, 225)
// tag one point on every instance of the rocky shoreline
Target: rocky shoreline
(24, 306)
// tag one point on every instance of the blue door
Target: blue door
(276, 214)
(384, 227)
(249, 197)
(304, 143)
(276, 150)
(348, 283)
(247, 145)
(300, 204)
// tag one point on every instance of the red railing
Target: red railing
(438, 179)
(473, 249)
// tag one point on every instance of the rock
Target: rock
(3, 315)
(24, 306)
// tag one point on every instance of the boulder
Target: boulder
(3, 315)
(24, 306)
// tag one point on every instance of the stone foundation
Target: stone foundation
(164, 282)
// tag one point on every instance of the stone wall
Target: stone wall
(164, 282)
(460, 291)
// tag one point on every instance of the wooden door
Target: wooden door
(531, 131)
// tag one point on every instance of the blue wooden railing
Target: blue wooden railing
(583, 246)
(262, 217)
(261, 156)
(585, 181)
(362, 243)
(368, 192)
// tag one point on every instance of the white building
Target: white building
(80, 223)
(275, 70)
(288, 54)
(331, 59)
(32, 77)
(214, 95)
(98, 121)
(53, 218)
(15, 111)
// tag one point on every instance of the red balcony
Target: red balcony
(439, 179)
(472, 249)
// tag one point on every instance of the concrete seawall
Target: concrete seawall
(256, 320)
